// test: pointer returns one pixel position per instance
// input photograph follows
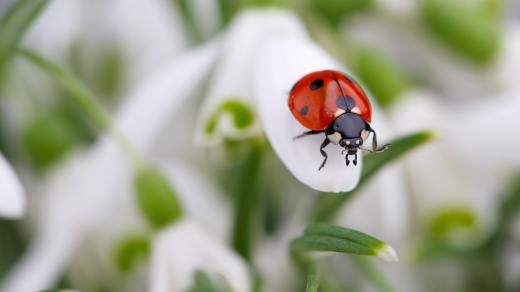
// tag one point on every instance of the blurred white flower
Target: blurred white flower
(182, 249)
(84, 192)
(12, 197)
(232, 79)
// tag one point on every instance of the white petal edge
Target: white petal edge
(182, 249)
(281, 62)
(12, 196)
(387, 253)
(232, 78)
(101, 171)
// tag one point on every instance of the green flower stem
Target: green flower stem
(14, 24)
(328, 205)
(189, 21)
(246, 201)
(373, 274)
(87, 100)
(313, 277)
(156, 198)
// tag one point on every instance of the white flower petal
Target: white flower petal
(12, 197)
(200, 199)
(280, 64)
(232, 79)
(182, 249)
(85, 190)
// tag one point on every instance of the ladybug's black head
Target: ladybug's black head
(349, 131)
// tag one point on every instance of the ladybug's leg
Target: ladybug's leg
(307, 133)
(374, 142)
(323, 153)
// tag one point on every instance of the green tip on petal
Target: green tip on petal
(241, 115)
(130, 251)
(156, 198)
(387, 253)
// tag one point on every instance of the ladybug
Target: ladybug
(331, 102)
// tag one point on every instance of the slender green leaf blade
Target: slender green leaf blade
(330, 238)
(14, 24)
(328, 205)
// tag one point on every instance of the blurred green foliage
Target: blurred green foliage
(383, 77)
(470, 28)
(156, 199)
(333, 11)
(451, 218)
(14, 24)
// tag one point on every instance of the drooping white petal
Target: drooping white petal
(281, 62)
(441, 178)
(182, 249)
(12, 197)
(232, 79)
(200, 199)
(81, 193)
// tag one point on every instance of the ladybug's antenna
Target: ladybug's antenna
(341, 90)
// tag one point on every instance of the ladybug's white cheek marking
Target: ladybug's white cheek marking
(356, 110)
(334, 138)
(364, 135)
(339, 112)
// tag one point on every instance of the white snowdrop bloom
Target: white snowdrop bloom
(472, 154)
(70, 211)
(182, 249)
(228, 109)
(280, 63)
(144, 33)
(12, 196)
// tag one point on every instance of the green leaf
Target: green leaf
(325, 237)
(156, 198)
(465, 26)
(383, 77)
(328, 205)
(204, 283)
(14, 24)
(131, 251)
(333, 11)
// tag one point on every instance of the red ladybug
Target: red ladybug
(331, 102)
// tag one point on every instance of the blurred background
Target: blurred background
(133, 129)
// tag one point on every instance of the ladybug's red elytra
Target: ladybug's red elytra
(331, 102)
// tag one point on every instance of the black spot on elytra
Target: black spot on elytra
(304, 110)
(345, 102)
(316, 84)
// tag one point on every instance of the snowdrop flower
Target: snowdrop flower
(12, 197)
(182, 249)
(250, 86)
(145, 33)
(227, 111)
(102, 169)
(281, 63)
(468, 160)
